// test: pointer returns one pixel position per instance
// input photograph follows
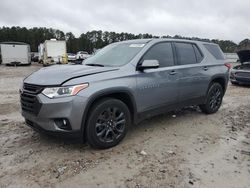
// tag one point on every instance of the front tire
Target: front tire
(213, 100)
(108, 123)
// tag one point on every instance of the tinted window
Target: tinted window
(198, 54)
(162, 52)
(185, 53)
(215, 51)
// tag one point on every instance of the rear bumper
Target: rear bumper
(241, 80)
(237, 77)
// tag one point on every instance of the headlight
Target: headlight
(55, 92)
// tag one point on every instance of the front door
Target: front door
(158, 87)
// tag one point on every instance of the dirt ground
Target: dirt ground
(180, 149)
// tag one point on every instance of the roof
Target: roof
(17, 43)
(164, 39)
(137, 41)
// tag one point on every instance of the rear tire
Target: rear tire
(213, 100)
(108, 123)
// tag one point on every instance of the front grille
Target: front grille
(29, 101)
(35, 89)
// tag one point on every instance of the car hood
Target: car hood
(242, 67)
(58, 74)
(244, 56)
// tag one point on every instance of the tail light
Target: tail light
(228, 65)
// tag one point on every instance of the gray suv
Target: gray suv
(122, 84)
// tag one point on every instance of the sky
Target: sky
(213, 19)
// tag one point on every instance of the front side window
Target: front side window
(162, 52)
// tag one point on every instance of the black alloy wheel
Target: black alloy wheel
(107, 123)
(214, 99)
(110, 124)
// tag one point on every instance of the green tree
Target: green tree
(90, 40)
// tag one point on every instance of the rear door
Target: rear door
(193, 77)
(158, 87)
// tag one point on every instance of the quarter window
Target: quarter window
(162, 52)
(215, 51)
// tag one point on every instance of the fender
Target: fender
(219, 76)
(107, 92)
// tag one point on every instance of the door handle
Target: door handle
(173, 72)
(205, 68)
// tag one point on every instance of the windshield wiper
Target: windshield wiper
(95, 64)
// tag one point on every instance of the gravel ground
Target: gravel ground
(180, 149)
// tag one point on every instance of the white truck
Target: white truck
(14, 53)
(82, 55)
(53, 52)
(40, 52)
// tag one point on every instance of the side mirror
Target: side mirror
(149, 64)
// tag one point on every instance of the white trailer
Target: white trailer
(54, 51)
(40, 52)
(14, 53)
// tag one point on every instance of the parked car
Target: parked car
(122, 84)
(71, 57)
(82, 55)
(34, 56)
(240, 74)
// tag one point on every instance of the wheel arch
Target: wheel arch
(122, 94)
(221, 80)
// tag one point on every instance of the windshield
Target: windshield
(115, 55)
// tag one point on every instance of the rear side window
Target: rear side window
(162, 52)
(185, 53)
(215, 51)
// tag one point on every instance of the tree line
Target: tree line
(88, 41)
